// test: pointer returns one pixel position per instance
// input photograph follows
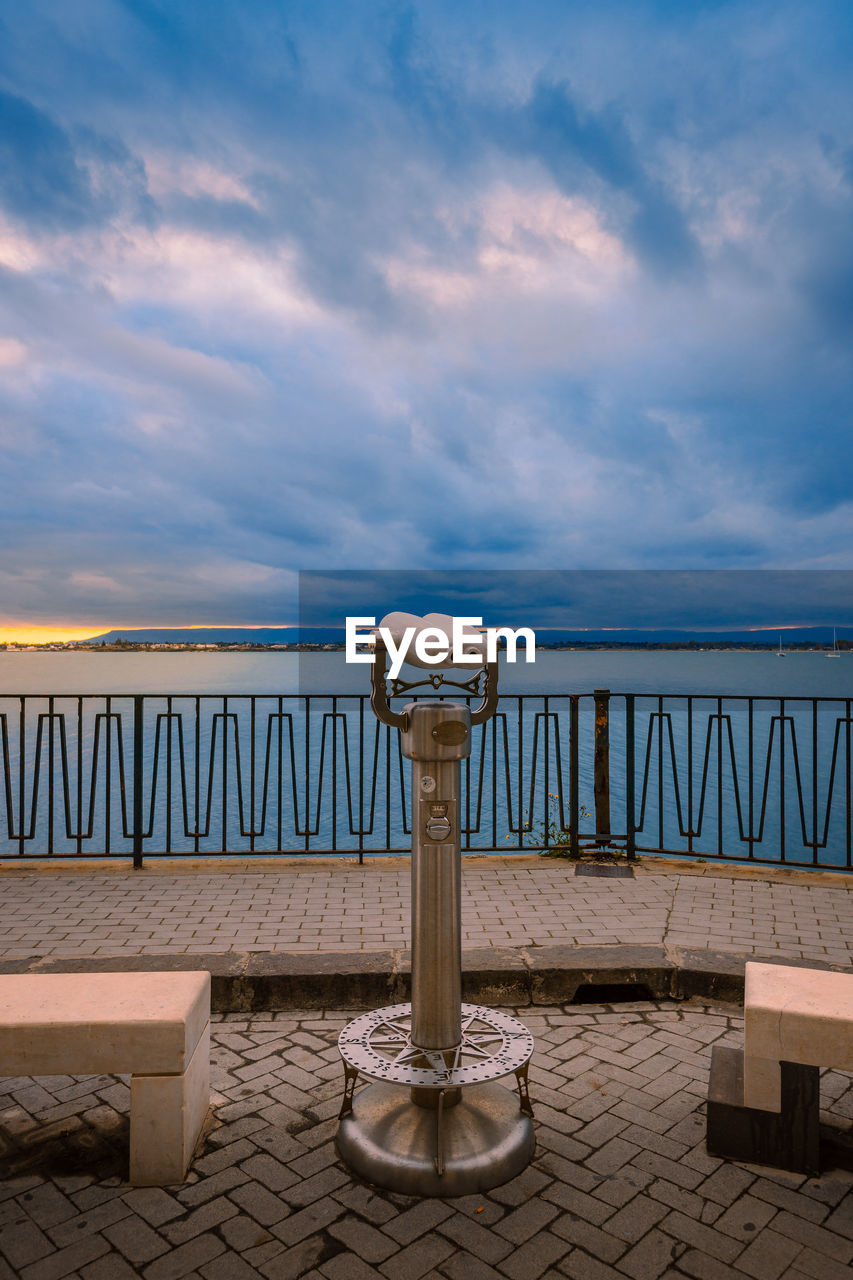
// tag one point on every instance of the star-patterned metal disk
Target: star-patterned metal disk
(379, 1045)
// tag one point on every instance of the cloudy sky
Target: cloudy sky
(344, 285)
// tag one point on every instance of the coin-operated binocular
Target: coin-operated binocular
(457, 1131)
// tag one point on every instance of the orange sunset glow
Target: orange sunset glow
(57, 633)
(23, 633)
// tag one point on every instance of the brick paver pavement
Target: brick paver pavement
(621, 1185)
(319, 907)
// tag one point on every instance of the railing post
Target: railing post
(630, 811)
(138, 703)
(601, 768)
(22, 756)
(574, 777)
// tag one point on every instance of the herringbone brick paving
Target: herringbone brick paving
(621, 1185)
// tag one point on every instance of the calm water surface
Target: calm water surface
(807, 675)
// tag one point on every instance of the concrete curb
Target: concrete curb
(244, 982)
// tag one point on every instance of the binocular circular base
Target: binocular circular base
(479, 1143)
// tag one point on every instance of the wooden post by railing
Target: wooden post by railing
(601, 766)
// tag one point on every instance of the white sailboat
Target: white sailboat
(780, 652)
(834, 652)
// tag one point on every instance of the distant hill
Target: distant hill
(219, 635)
(793, 635)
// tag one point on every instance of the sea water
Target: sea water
(719, 672)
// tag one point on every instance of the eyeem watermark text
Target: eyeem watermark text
(469, 644)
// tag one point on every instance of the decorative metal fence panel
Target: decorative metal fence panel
(746, 779)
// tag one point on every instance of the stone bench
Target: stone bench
(764, 1101)
(154, 1027)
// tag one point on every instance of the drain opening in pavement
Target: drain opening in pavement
(611, 992)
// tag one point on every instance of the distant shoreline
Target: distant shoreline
(637, 646)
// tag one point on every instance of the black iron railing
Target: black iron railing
(746, 779)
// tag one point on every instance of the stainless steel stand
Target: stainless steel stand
(456, 1131)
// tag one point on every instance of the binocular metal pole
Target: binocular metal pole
(436, 878)
(451, 1129)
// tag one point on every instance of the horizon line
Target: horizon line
(69, 633)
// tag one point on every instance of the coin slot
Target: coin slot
(438, 829)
